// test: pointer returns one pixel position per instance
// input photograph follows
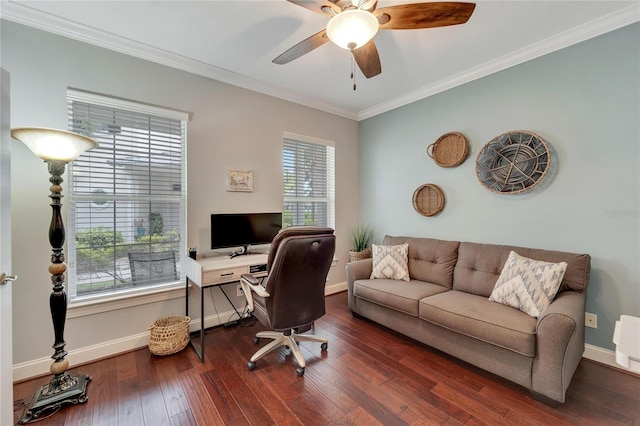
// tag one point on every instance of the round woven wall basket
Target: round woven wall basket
(513, 162)
(169, 335)
(449, 150)
(428, 200)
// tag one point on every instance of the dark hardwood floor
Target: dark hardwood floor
(369, 376)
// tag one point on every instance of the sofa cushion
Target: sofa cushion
(390, 262)
(399, 295)
(480, 265)
(528, 285)
(477, 317)
(430, 260)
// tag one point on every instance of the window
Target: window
(309, 181)
(126, 196)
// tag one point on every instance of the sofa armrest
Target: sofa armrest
(358, 270)
(559, 345)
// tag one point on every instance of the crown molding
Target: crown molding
(584, 32)
(21, 13)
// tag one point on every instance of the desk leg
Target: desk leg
(202, 324)
(200, 352)
(186, 296)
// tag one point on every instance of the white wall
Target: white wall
(583, 100)
(230, 128)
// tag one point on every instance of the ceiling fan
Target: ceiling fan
(354, 23)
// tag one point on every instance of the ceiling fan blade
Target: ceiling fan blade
(305, 46)
(369, 5)
(424, 15)
(368, 59)
(324, 7)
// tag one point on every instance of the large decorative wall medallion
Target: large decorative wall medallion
(428, 200)
(513, 162)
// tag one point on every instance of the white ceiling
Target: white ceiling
(235, 42)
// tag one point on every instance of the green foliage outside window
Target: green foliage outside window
(97, 249)
(156, 243)
(287, 218)
(156, 223)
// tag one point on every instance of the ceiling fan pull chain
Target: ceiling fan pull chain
(353, 72)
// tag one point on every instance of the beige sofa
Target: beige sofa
(446, 306)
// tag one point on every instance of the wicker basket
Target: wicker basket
(169, 335)
(513, 162)
(449, 150)
(428, 200)
(359, 255)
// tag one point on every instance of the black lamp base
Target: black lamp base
(59, 391)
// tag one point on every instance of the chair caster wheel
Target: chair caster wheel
(251, 365)
(300, 371)
(324, 347)
(256, 340)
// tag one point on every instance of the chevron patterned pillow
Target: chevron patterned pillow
(527, 284)
(391, 262)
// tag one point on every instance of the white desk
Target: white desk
(215, 271)
(626, 336)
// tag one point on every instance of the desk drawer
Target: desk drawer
(223, 275)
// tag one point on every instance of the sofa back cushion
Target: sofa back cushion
(430, 260)
(479, 266)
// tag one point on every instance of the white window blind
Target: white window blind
(127, 197)
(309, 182)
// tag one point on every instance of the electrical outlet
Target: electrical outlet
(590, 320)
(239, 291)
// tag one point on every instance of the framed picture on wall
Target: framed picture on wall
(240, 180)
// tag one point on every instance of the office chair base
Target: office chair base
(289, 340)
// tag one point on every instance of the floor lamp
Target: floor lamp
(56, 148)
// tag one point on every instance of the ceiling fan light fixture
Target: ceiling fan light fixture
(352, 28)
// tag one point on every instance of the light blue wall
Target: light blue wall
(584, 101)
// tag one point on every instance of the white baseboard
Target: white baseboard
(39, 367)
(335, 288)
(604, 356)
(601, 355)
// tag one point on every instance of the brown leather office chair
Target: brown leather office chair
(291, 297)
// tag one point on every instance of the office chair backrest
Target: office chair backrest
(298, 264)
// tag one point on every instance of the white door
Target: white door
(6, 346)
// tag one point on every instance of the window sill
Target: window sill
(94, 305)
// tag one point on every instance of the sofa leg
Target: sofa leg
(544, 399)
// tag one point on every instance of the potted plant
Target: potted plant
(361, 238)
(139, 224)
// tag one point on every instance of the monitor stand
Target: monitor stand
(245, 251)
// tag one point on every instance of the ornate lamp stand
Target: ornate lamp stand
(56, 148)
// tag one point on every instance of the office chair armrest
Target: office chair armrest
(250, 283)
(250, 279)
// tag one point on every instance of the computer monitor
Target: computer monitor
(243, 229)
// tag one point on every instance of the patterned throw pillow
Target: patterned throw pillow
(528, 285)
(391, 262)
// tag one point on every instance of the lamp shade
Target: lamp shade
(53, 144)
(352, 28)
